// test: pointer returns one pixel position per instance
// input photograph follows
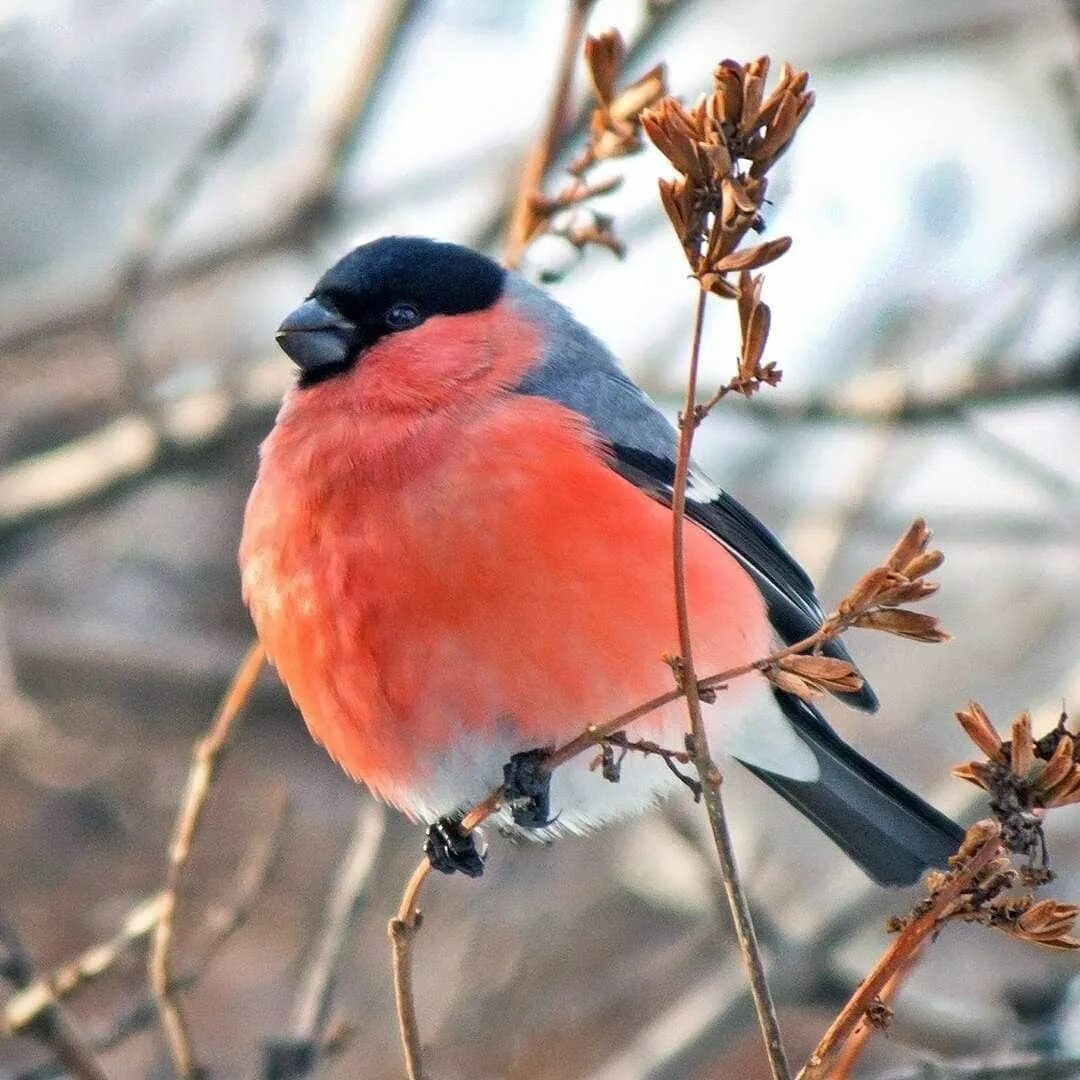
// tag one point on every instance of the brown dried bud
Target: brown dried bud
(982, 832)
(603, 57)
(1058, 767)
(1049, 923)
(792, 683)
(866, 590)
(1022, 752)
(977, 724)
(753, 258)
(910, 624)
(911, 544)
(824, 672)
(975, 772)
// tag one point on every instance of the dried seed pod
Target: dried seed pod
(910, 624)
(977, 724)
(1022, 752)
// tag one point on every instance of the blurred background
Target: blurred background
(174, 176)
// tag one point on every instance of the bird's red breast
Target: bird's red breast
(431, 560)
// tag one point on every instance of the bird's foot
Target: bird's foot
(452, 850)
(527, 786)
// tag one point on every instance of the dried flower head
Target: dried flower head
(1024, 776)
(721, 148)
(614, 132)
(986, 895)
(615, 125)
(810, 676)
(874, 601)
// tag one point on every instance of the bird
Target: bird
(457, 555)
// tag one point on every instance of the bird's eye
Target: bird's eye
(403, 317)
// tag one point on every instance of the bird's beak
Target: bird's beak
(316, 338)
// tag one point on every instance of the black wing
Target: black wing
(793, 607)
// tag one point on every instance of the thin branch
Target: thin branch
(402, 930)
(367, 72)
(160, 218)
(895, 962)
(220, 923)
(207, 757)
(297, 1055)
(698, 743)
(545, 147)
(49, 1024)
(404, 926)
(23, 1008)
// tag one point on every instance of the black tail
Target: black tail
(887, 830)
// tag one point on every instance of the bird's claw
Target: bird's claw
(527, 788)
(451, 850)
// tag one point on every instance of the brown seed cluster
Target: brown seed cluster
(810, 676)
(876, 600)
(874, 603)
(722, 149)
(1038, 773)
(991, 900)
(614, 132)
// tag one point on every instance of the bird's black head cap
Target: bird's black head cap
(388, 286)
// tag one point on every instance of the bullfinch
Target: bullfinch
(457, 554)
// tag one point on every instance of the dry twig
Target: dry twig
(207, 757)
(297, 1055)
(220, 922)
(614, 132)
(23, 1008)
(48, 1024)
(521, 228)
(1025, 777)
(899, 579)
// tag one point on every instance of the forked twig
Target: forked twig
(894, 964)
(221, 922)
(49, 1025)
(860, 607)
(207, 757)
(543, 149)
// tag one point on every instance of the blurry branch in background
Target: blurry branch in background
(134, 443)
(160, 218)
(297, 1055)
(25, 1007)
(220, 921)
(614, 132)
(879, 397)
(207, 758)
(386, 36)
(48, 1025)
(522, 218)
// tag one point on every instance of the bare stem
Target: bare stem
(49, 1026)
(542, 151)
(698, 743)
(207, 756)
(298, 1054)
(892, 966)
(402, 930)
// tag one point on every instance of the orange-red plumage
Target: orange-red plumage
(422, 565)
